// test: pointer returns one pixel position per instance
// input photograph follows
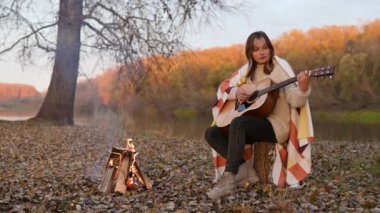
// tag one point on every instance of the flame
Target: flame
(131, 183)
(129, 145)
(110, 163)
(133, 169)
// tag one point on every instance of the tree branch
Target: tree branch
(96, 31)
(26, 37)
(101, 34)
(39, 45)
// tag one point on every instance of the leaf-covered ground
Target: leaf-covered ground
(58, 169)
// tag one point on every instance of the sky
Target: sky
(274, 17)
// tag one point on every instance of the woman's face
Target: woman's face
(261, 51)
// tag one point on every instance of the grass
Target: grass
(19, 108)
(186, 113)
(362, 116)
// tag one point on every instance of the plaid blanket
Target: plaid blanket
(293, 159)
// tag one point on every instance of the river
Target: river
(323, 130)
(194, 128)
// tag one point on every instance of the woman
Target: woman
(262, 63)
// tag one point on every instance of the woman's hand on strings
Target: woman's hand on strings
(303, 79)
(241, 94)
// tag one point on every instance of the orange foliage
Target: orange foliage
(105, 83)
(316, 47)
(16, 91)
(190, 78)
(371, 32)
(170, 79)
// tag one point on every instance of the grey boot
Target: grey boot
(246, 176)
(225, 185)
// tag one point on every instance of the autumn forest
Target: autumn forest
(187, 81)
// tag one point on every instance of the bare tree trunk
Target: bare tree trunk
(58, 104)
(262, 160)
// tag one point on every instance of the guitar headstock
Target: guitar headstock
(323, 71)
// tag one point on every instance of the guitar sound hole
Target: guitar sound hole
(240, 107)
(253, 97)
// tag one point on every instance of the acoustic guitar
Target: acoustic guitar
(263, 98)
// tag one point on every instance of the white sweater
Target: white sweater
(289, 96)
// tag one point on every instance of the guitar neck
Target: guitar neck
(277, 86)
(320, 72)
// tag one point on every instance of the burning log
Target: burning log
(122, 172)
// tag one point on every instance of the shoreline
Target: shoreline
(371, 116)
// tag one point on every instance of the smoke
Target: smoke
(113, 127)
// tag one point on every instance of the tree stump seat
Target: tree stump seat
(263, 160)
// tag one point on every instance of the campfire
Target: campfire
(122, 172)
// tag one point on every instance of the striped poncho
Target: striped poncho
(293, 159)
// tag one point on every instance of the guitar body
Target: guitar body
(263, 98)
(261, 107)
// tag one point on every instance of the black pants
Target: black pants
(242, 130)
